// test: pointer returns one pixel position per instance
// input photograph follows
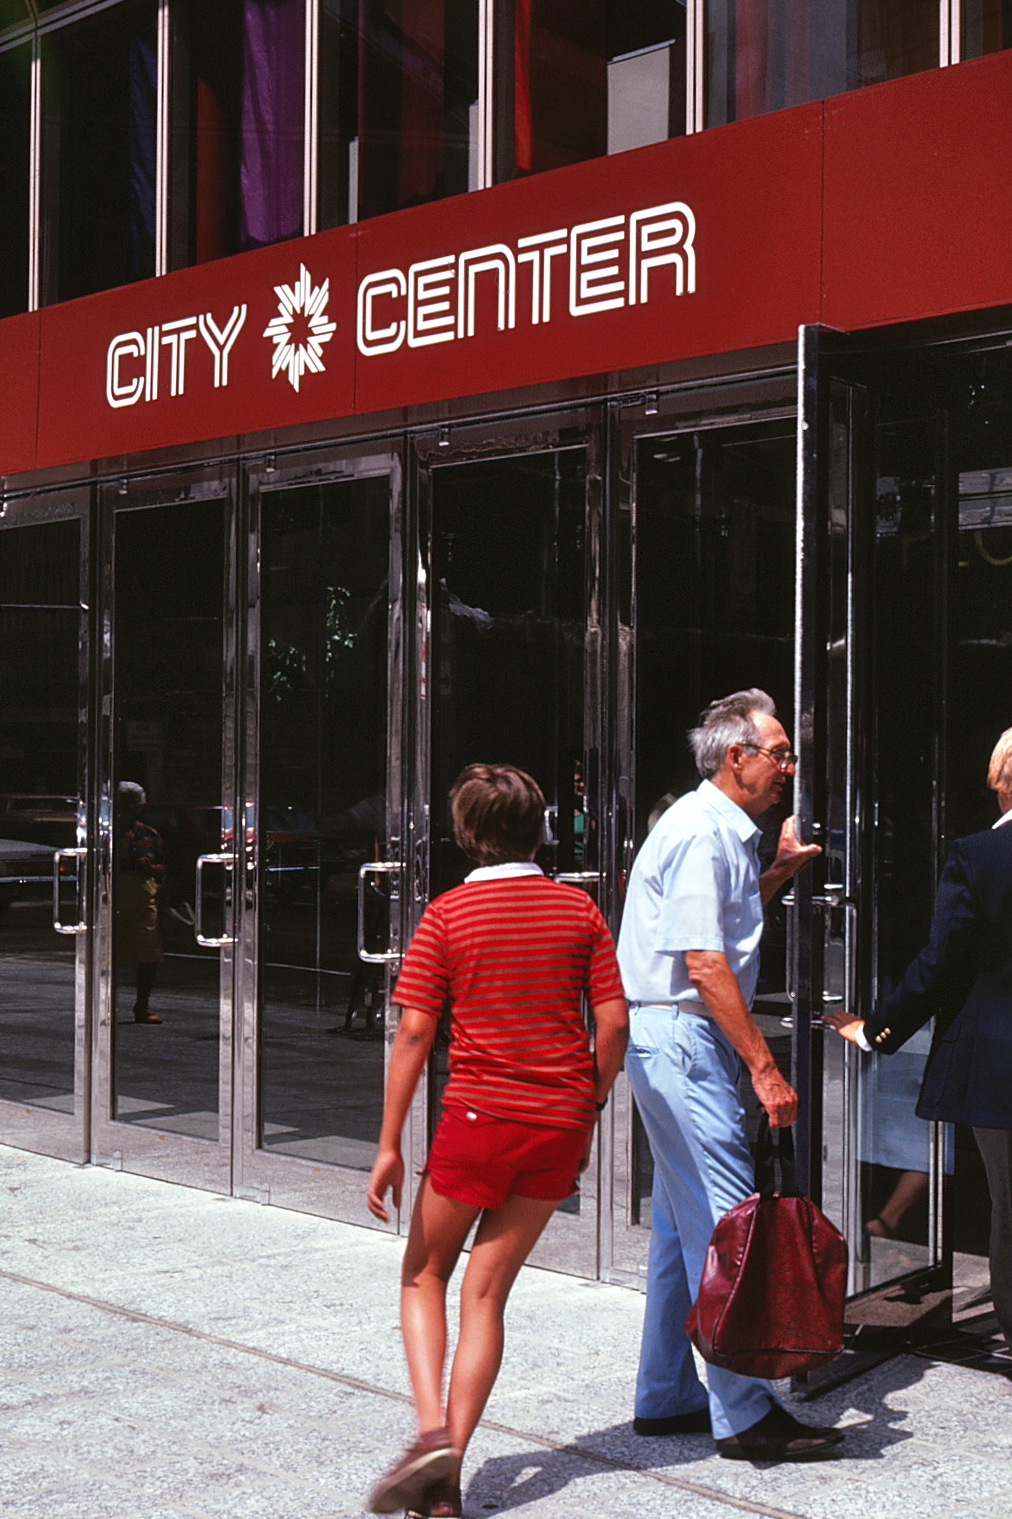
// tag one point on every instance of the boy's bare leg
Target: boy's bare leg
(504, 1239)
(438, 1230)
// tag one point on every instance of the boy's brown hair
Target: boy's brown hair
(498, 813)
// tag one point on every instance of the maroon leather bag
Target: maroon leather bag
(771, 1298)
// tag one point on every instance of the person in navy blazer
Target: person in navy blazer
(963, 979)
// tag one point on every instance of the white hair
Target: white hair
(726, 722)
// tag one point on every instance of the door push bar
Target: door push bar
(577, 877)
(228, 861)
(832, 896)
(58, 855)
(377, 868)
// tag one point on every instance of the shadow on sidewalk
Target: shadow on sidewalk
(509, 1482)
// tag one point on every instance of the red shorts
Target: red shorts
(482, 1160)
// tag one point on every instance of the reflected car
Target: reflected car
(39, 818)
(26, 872)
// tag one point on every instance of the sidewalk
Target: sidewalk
(170, 1354)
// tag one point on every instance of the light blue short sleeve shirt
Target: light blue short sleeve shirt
(694, 885)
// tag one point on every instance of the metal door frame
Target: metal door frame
(558, 429)
(735, 401)
(260, 1174)
(42, 1130)
(833, 522)
(133, 1147)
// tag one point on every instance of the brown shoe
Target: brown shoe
(779, 1436)
(428, 1461)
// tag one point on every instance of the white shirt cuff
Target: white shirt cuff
(862, 1040)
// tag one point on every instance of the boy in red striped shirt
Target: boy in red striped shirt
(512, 954)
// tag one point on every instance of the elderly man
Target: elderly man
(963, 978)
(689, 952)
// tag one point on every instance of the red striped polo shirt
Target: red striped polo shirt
(511, 957)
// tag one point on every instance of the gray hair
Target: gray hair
(129, 791)
(726, 722)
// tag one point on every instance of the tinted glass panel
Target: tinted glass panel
(761, 57)
(15, 99)
(238, 126)
(715, 614)
(168, 600)
(323, 814)
(99, 108)
(509, 618)
(588, 79)
(40, 628)
(987, 27)
(398, 93)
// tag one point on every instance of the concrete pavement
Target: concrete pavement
(172, 1354)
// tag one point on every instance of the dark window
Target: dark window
(15, 106)
(99, 111)
(762, 57)
(987, 27)
(398, 94)
(238, 126)
(589, 77)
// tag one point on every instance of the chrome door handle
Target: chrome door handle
(228, 861)
(577, 877)
(378, 868)
(58, 855)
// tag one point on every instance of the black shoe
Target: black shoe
(695, 1423)
(779, 1436)
(144, 1016)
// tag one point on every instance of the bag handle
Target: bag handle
(775, 1147)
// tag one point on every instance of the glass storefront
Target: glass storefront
(291, 657)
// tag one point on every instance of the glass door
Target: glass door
(44, 834)
(510, 670)
(172, 836)
(322, 761)
(709, 506)
(874, 541)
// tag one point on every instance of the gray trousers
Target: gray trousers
(995, 1146)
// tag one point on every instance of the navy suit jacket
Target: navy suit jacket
(964, 979)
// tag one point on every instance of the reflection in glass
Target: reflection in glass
(762, 57)
(714, 614)
(398, 105)
(323, 814)
(167, 700)
(99, 80)
(987, 27)
(15, 116)
(509, 615)
(40, 627)
(590, 79)
(238, 126)
(894, 1145)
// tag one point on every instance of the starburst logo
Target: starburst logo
(300, 328)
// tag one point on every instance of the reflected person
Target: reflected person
(963, 979)
(140, 873)
(689, 952)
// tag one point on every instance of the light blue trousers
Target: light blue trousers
(684, 1076)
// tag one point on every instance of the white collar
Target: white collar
(1006, 817)
(503, 872)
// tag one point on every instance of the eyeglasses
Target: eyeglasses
(782, 758)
